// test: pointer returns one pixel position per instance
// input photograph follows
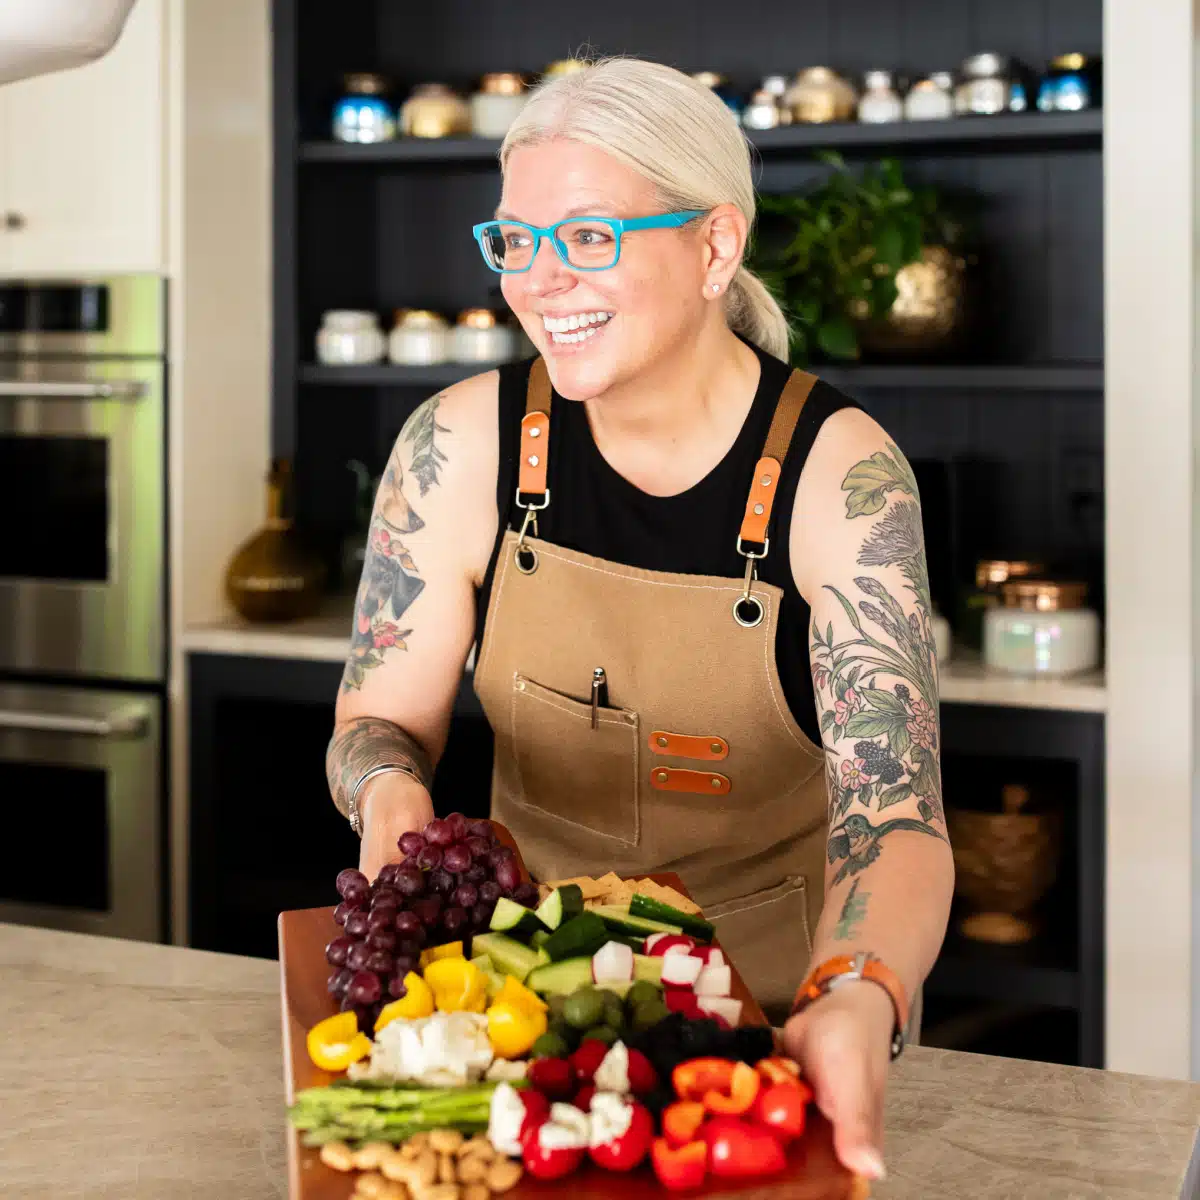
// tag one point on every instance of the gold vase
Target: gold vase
(274, 576)
(819, 95)
(434, 110)
(1004, 864)
(930, 310)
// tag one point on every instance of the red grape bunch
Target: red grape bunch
(444, 890)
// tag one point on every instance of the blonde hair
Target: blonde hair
(676, 133)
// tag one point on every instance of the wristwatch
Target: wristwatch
(352, 810)
(833, 972)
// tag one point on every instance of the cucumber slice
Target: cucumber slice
(508, 956)
(560, 978)
(656, 910)
(514, 919)
(620, 920)
(538, 938)
(647, 968)
(561, 905)
(581, 935)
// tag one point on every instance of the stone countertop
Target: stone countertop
(139, 1071)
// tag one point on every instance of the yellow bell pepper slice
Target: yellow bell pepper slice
(437, 953)
(417, 1001)
(515, 992)
(458, 985)
(513, 1027)
(335, 1043)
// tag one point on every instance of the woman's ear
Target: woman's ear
(725, 233)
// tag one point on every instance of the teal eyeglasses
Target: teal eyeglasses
(583, 243)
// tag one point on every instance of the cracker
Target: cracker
(592, 889)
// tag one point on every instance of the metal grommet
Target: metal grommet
(527, 560)
(663, 777)
(748, 611)
(716, 781)
(535, 432)
(662, 741)
(716, 747)
(758, 510)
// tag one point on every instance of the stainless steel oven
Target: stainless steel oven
(80, 773)
(82, 478)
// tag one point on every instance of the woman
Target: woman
(661, 540)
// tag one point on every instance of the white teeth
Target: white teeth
(575, 321)
(563, 339)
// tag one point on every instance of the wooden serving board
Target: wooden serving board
(813, 1172)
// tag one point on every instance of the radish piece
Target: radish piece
(685, 951)
(725, 1007)
(710, 956)
(681, 1000)
(612, 963)
(680, 969)
(714, 981)
(666, 941)
(653, 941)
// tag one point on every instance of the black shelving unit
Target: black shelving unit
(1003, 133)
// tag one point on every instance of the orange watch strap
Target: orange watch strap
(821, 979)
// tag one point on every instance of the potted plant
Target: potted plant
(865, 261)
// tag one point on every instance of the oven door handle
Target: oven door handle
(119, 722)
(116, 389)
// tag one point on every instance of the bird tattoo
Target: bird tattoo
(857, 841)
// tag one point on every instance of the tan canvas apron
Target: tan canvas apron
(697, 765)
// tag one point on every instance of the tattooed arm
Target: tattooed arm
(431, 534)
(858, 557)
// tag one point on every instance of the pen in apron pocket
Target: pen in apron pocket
(599, 695)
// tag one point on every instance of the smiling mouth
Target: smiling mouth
(575, 329)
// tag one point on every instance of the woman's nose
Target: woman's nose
(548, 272)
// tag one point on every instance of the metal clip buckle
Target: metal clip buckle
(526, 557)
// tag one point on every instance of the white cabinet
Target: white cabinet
(82, 162)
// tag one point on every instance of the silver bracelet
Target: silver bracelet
(352, 807)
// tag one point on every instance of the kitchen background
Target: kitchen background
(234, 260)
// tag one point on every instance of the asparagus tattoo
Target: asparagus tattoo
(390, 579)
(877, 689)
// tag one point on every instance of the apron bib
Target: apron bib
(696, 764)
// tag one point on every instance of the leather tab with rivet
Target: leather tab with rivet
(760, 501)
(680, 779)
(535, 437)
(684, 745)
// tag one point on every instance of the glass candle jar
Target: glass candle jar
(931, 99)
(419, 338)
(363, 114)
(990, 576)
(880, 104)
(985, 86)
(1071, 84)
(349, 337)
(495, 106)
(763, 111)
(1042, 628)
(479, 337)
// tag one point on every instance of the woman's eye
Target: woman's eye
(592, 236)
(516, 240)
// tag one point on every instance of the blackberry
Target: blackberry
(879, 761)
(902, 691)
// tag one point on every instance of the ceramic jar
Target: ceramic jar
(1070, 85)
(880, 104)
(930, 99)
(349, 337)
(363, 114)
(433, 110)
(495, 106)
(1042, 628)
(479, 337)
(419, 338)
(819, 95)
(985, 86)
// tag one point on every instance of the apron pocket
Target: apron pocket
(767, 938)
(570, 771)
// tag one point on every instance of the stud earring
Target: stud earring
(716, 287)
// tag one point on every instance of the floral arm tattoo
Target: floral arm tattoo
(875, 677)
(390, 579)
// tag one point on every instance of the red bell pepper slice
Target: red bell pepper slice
(698, 1076)
(778, 1069)
(682, 1167)
(738, 1095)
(782, 1108)
(681, 1121)
(739, 1150)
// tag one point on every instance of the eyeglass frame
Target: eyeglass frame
(618, 225)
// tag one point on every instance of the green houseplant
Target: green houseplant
(831, 254)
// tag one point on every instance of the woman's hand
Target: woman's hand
(393, 804)
(843, 1043)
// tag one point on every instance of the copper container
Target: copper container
(502, 83)
(274, 576)
(991, 573)
(1004, 864)
(1043, 595)
(365, 83)
(929, 313)
(434, 111)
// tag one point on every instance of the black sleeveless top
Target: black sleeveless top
(597, 511)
